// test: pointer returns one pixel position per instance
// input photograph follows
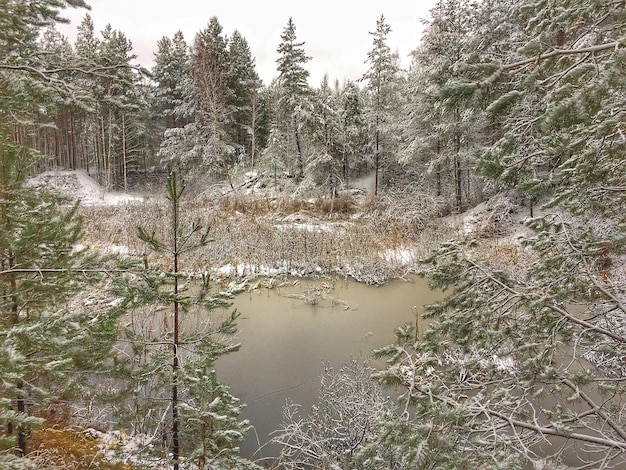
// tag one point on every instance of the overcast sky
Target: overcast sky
(335, 32)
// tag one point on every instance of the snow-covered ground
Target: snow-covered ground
(78, 185)
(499, 217)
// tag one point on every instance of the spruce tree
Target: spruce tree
(174, 96)
(324, 128)
(444, 129)
(171, 68)
(244, 83)
(354, 138)
(212, 98)
(382, 79)
(294, 92)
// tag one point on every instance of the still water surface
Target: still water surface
(287, 332)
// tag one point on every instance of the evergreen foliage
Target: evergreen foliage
(168, 361)
(244, 83)
(323, 127)
(209, 96)
(383, 85)
(515, 359)
(445, 125)
(353, 130)
(212, 111)
(49, 347)
(521, 366)
(171, 64)
(77, 106)
(292, 103)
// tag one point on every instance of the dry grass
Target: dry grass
(259, 206)
(342, 236)
(504, 256)
(69, 449)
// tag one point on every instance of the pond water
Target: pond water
(289, 330)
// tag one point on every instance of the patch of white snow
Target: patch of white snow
(78, 185)
(399, 256)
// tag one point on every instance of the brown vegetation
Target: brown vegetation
(343, 236)
(69, 449)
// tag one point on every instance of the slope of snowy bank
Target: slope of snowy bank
(78, 185)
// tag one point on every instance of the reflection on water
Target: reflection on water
(286, 332)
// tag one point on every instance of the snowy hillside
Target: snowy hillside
(80, 186)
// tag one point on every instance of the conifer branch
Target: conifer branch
(554, 308)
(47, 73)
(596, 409)
(563, 52)
(549, 55)
(551, 431)
(67, 270)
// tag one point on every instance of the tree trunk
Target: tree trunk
(376, 160)
(72, 143)
(110, 151)
(175, 365)
(124, 164)
(458, 175)
(438, 169)
(345, 166)
(458, 183)
(21, 403)
(21, 408)
(253, 132)
(299, 148)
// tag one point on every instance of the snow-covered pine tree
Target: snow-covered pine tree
(85, 122)
(440, 131)
(244, 83)
(171, 343)
(116, 107)
(293, 99)
(27, 84)
(213, 114)
(323, 126)
(21, 23)
(523, 362)
(383, 80)
(56, 140)
(353, 129)
(171, 68)
(48, 346)
(88, 99)
(211, 97)
(174, 97)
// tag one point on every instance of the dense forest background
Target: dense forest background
(203, 110)
(517, 103)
